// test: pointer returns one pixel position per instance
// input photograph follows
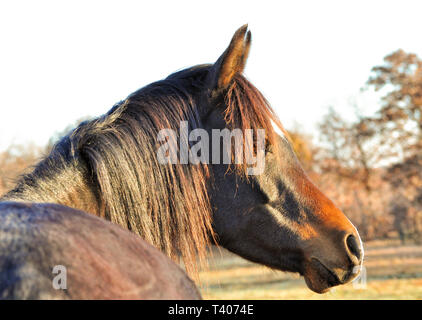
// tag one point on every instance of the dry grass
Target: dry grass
(392, 272)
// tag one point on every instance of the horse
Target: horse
(89, 257)
(110, 167)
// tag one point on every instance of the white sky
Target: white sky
(61, 61)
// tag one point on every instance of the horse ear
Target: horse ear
(233, 60)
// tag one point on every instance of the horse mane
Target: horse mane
(168, 205)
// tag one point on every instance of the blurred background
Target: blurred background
(344, 78)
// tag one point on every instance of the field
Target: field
(393, 271)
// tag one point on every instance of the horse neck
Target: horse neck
(55, 181)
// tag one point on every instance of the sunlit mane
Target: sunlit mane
(167, 205)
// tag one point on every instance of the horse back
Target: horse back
(49, 251)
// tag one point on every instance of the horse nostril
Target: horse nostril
(353, 246)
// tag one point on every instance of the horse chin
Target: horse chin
(319, 278)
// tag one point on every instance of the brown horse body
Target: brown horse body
(102, 260)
